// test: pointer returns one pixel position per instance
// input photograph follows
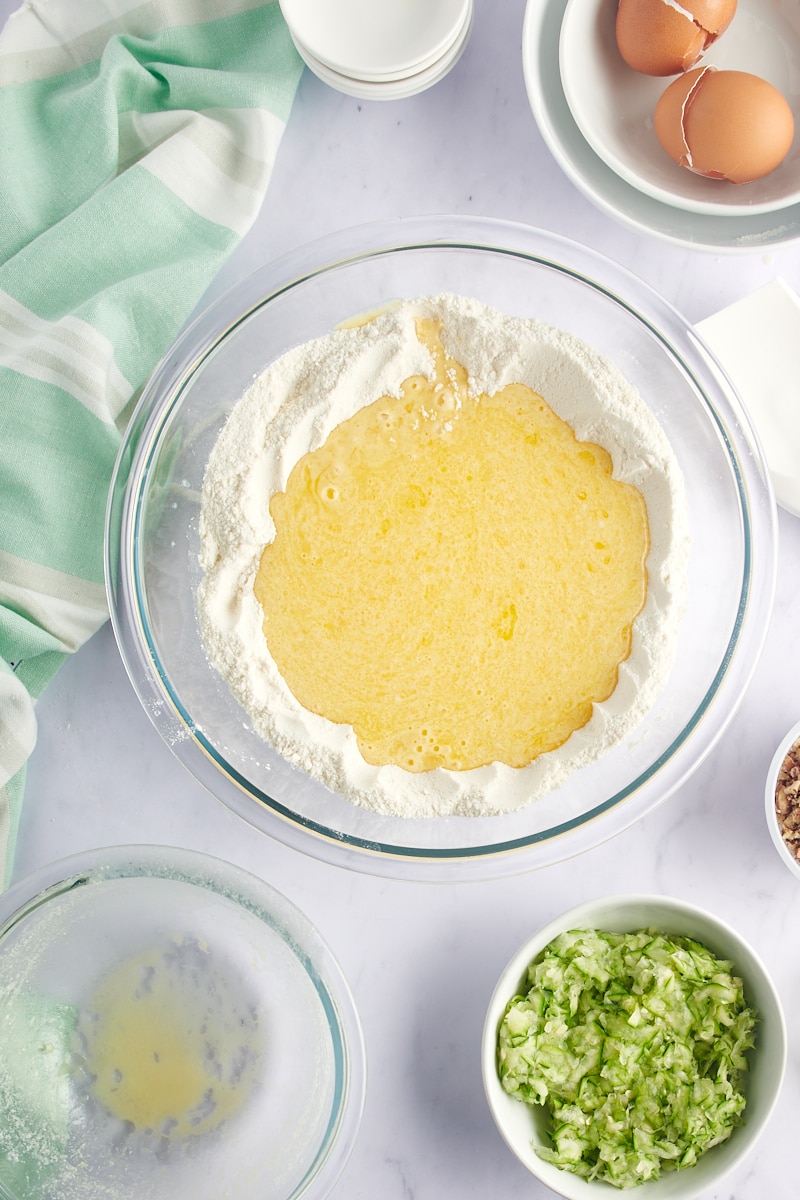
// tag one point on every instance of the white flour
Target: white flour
(292, 407)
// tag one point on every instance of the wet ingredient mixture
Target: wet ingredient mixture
(453, 575)
(444, 558)
(166, 1045)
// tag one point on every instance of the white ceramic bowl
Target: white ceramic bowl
(363, 40)
(720, 231)
(523, 1127)
(364, 88)
(769, 799)
(198, 961)
(379, 54)
(613, 105)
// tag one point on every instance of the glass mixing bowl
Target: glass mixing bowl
(171, 1026)
(153, 569)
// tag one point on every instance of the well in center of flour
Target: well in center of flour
(455, 576)
(433, 545)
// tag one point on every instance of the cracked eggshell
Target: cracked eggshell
(724, 124)
(666, 37)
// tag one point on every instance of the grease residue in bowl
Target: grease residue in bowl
(167, 1045)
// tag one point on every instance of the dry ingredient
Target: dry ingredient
(396, 602)
(787, 800)
(292, 408)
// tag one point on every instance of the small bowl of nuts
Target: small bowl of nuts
(782, 799)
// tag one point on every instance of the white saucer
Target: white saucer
(390, 88)
(734, 233)
(377, 40)
(613, 105)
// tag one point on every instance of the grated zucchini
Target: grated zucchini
(635, 1044)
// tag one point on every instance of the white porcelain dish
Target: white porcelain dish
(374, 42)
(389, 88)
(382, 52)
(718, 232)
(523, 1126)
(199, 962)
(783, 749)
(613, 105)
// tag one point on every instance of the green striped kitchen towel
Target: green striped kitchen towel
(136, 144)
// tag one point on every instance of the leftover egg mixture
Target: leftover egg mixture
(167, 1044)
(444, 558)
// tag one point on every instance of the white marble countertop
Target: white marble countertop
(101, 774)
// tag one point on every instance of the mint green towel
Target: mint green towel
(136, 143)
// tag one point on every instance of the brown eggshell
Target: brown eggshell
(724, 124)
(712, 15)
(668, 117)
(655, 38)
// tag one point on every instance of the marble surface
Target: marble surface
(422, 958)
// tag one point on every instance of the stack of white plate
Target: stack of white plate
(379, 49)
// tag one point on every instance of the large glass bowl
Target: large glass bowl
(152, 543)
(171, 1027)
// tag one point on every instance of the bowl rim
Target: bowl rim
(237, 884)
(783, 748)
(594, 913)
(126, 603)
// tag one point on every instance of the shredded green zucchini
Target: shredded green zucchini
(635, 1044)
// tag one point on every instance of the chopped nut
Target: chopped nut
(787, 800)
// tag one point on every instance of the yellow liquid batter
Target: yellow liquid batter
(166, 1052)
(454, 576)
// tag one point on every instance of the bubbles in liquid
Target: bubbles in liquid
(472, 587)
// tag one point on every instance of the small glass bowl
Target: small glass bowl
(200, 962)
(152, 544)
(770, 792)
(523, 1126)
